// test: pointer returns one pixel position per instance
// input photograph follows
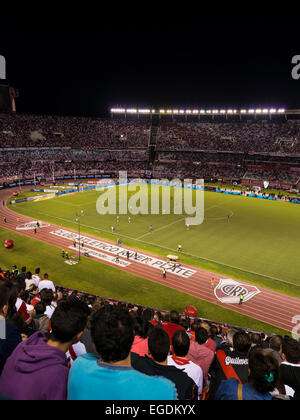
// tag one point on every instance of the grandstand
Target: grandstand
(238, 148)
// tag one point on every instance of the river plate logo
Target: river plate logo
(229, 291)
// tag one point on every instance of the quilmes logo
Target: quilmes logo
(2, 67)
(296, 69)
(229, 291)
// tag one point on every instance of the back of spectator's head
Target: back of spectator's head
(68, 321)
(205, 325)
(214, 331)
(264, 370)
(46, 296)
(180, 343)
(37, 271)
(275, 343)
(23, 269)
(40, 308)
(148, 314)
(140, 326)
(112, 333)
(230, 334)
(241, 342)
(174, 317)
(159, 344)
(256, 339)
(46, 276)
(291, 350)
(28, 275)
(201, 335)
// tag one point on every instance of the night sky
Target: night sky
(218, 61)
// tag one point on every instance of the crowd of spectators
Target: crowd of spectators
(251, 136)
(82, 133)
(63, 344)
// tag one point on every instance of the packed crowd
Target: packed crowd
(62, 344)
(83, 133)
(254, 136)
(25, 163)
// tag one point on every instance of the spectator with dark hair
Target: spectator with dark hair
(173, 324)
(37, 368)
(41, 320)
(111, 375)
(10, 337)
(36, 276)
(199, 353)
(262, 379)
(231, 363)
(290, 367)
(275, 343)
(157, 365)
(210, 343)
(47, 296)
(140, 344)
(179, 359)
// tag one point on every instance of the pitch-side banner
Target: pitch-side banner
(122, 252)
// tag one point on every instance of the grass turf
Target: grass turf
(259, 244)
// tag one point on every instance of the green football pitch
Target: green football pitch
(246, 238)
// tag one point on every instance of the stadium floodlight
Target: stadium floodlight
(281, 111)
(208, 111)
(175, 111)
(132, 111)
(188, 111)
(243, 111)
(265, 111)
(223, 111)
(215, 111)
(144, 111)
(162, 111)
(251, 111)
(230, 111)
(202, 111)
(273, 111)
(195, 111)
(169, 111)
(118, 111)
(258, 111)
(181, 111)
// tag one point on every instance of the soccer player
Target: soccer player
(112, 229)
(179, 248)
(150, 228)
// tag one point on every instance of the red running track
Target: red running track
(271, 307)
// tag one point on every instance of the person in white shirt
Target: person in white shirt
(36, 276)
(46, 284)
(180, 348)
(47, 296)
(29, 280)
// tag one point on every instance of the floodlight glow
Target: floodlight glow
(215, 111)
(223, 111)
(251, 111)
(181, 111)
(273, 111)
(202, 111)
(230, 111)
(281, 111)
(243, 111)
(144, 111)
(132, 111)
(258, 111)
(188, 111)
(195, 112)
(265, 111)
(118, 111)
(162, 111)
(175, 111)
(208, 112)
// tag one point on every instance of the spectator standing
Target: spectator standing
(173, 324)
